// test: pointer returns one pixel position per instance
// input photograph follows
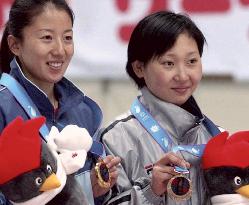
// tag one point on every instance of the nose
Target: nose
(58, 48)
(181, 74)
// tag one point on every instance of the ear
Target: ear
(14, 44)
(138, 68)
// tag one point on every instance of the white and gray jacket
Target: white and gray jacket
(126, 138)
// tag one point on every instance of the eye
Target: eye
(192, 61)
(68, 38)
(237, 180)
(38, 181)
(49, 169)
(168, 64)
(46, 37)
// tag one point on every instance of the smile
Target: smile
(55, 64)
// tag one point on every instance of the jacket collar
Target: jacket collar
(175, 119)
(64, 90)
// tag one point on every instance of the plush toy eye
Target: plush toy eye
(49, 169)
(38, 181)
(237, 180)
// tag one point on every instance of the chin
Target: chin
(180, 101)
(56, 79)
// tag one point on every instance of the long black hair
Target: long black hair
(21, 15)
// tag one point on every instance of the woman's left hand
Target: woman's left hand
(111, 163)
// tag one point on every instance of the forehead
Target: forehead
(183, 45)
(50, 16)
(184, 40)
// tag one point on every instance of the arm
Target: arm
(134, 146)
(133, 184)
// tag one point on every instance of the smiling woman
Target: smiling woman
(46, 48)
(164, 61)
(36, 49)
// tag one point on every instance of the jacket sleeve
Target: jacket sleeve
(3, 200)
(133, 184)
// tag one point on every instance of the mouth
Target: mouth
(55, 64)
(181, 90)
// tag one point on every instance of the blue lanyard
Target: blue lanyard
(30, 108)
(23, 98)
(161, 136)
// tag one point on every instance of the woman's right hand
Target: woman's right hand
(163, 171)
(111, 163)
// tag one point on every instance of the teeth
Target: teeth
(55, 64)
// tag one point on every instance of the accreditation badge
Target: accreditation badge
(103, 174)
(179, 188)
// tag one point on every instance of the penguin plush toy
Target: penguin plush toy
(31, 170)
(225, 162)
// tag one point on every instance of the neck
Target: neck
(49, 90)
(53, 100)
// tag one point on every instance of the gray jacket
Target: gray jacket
(126, 138)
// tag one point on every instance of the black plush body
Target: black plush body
(225, 165)
(225, 180)
(25, 186)
(70, 195)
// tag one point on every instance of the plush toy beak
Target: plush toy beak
(244, 191)
(51, 182)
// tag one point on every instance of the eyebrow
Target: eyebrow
(50, 30)
(190, 53)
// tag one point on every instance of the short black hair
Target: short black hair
(157, 33)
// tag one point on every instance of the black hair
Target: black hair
(21, 14)
(157, 33)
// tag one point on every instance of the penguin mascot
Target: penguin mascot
(34, 172)
(225, 162)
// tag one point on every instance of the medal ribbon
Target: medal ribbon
(161, 136)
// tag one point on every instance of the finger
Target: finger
(161, 174)
(113, 169)
(172, 158)
(163, 168)
(114, 175)
(108, 158)
(112, 162)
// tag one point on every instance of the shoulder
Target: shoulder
(5, 95)
(124, 127)
(117, 124)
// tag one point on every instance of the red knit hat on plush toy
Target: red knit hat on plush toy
(225, 150)
(20, 148)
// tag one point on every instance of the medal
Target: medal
(103, 174)
(179, 188)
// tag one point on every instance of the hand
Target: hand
(163, 171)
(111, 163)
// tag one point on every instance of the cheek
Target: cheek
(160, 80)
(70, 51)
(198, 76)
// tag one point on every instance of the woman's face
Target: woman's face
(47, 47)
(174, 76)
